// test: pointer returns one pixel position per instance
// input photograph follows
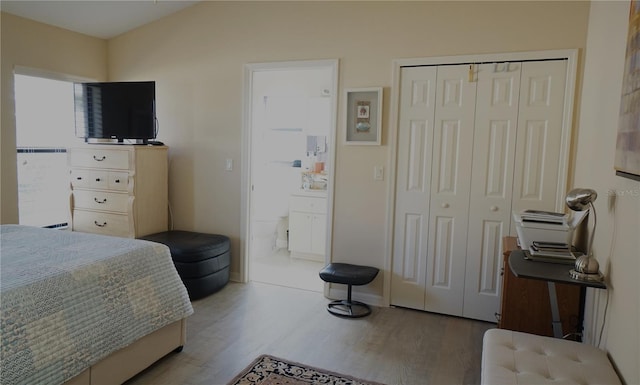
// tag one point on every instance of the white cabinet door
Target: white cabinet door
(308, 227)
(300, 230)
(470, 152)
(491, 188)
(450, 184)
(538, 147)
(516, 152)
(435, 141)
(411, 223)
(318, 234)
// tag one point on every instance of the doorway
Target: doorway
(289, 155)
(44, 130)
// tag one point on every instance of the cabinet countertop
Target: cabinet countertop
(310, 193)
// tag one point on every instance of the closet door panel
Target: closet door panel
(491, 189)
(448, 214)
(540, 124)
(470, 152)
(415, 141)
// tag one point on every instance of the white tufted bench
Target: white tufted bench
(511, 358)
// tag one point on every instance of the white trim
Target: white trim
(490, 58)
(40, 73)
(567, 124)
(249, 70)
(571, 55)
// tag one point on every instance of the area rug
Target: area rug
(268, 370)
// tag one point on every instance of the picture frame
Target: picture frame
(627, 155)
(363, 116)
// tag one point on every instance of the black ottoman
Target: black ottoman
(202, 260)
(350, 275)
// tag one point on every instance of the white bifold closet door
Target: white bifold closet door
(472, 146)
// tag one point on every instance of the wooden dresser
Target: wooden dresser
(119, 190)
(525, 303)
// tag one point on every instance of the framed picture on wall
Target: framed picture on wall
(627, 159)
(363, 110)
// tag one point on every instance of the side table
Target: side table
(552, 273)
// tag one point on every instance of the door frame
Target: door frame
(571, 55)
(246, 172)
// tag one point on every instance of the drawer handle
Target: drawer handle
(99, 159)
(445, 205)
(493, 208)
(117, 180)
(97, 179)
(101, 202)
(103, 224)
(79, 178)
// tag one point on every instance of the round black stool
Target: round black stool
(350, 275)
(202, 260)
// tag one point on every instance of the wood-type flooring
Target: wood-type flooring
(232, 327)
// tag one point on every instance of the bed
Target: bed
(82, 308)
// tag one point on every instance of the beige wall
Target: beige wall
(197, 58)
(34, 45)
(617, 241)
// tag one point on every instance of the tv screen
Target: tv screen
(115, 110)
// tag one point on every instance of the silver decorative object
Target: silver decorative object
(586, 267)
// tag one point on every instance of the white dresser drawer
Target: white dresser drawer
(80, 177)
(99, 158)
(99, 179)
(85, 178)
(101, 200)
(308, 204)
(101, 223)
(118, 180)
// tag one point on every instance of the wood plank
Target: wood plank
(393, 345)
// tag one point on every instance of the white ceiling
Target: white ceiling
(103, 18)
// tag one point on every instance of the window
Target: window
(44, 129)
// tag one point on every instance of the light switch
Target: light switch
(228, 165)
(378, 173)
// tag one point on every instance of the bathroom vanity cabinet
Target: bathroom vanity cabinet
(308, 225)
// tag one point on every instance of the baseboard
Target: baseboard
(338, 292)
(235, 277)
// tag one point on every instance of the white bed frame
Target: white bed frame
(126, 363)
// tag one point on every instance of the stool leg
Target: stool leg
(348, 308)
(349, 302)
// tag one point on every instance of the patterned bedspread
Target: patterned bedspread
(70, 299)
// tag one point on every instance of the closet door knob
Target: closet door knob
(493, 208)
(445, 205)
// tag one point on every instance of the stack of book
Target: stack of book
(551, 252)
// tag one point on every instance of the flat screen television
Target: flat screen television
(115, 111)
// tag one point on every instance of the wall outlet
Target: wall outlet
(378, 173)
